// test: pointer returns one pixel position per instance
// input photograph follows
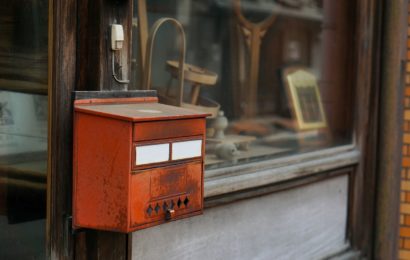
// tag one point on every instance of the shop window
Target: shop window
(273, 74)
(23, 128)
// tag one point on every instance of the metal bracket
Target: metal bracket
(114, 75)
(70, 229)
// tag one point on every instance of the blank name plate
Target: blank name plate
(186, 149)
(154, 153)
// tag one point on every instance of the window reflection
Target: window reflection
(23, 128)
(272, 73)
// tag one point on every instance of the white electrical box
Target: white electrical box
(117, 37)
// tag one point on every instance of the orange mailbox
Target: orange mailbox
(137, 163)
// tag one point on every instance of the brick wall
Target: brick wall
(404, 240)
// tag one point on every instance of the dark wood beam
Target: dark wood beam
(366, 61)
(94, 44)
(80, 59)
(94, 72)
(62, 71)
(393, 68)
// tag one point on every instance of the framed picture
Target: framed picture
(304, 98)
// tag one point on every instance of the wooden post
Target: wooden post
(94, 72)
(393, 69)
(80, 59)
(94, 46)
(366, 64)
(62, 72)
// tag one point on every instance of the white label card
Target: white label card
(154, 153)
(186, 149)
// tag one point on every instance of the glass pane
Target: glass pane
(23, 128)
(274, 74)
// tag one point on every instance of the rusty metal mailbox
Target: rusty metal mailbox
(137, 163)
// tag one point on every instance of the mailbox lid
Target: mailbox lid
(138, 111)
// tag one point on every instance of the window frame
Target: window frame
(70, 41)
(269, 172)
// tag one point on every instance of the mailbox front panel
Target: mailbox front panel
(154, 192)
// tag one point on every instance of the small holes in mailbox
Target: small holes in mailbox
(149, 210)
(157, 208)
(186, 201)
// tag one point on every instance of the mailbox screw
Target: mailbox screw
(170, 213)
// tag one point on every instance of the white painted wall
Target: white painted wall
(304, 223)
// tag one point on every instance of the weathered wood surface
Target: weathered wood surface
(94, 72)
(365, 61)
(259, 178)
(305, 223)
(63, 26)
(81, 60)
(278, 162)
(94, 66)
(393, 68)
(276, 187)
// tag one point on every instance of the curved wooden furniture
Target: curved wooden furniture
(195, 75)
(253, 34)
